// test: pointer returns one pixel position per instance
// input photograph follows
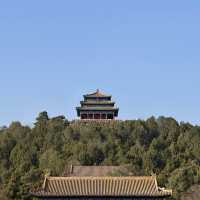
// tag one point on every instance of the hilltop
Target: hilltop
(159, 146)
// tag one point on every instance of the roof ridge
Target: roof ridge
(97, 92)
(101, 177)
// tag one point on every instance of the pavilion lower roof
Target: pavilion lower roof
(101, 187)
(92, 102)
(99, 108)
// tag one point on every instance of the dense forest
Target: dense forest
(161, 146)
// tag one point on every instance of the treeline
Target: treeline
(156, 146)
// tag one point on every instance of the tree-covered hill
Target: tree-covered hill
(161, 146)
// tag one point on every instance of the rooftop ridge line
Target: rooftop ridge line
(102, 177)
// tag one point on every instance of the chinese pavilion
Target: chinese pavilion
(97, 106)
(97, 183)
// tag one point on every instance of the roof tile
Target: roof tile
(103, 186)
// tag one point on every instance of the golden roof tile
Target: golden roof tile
(105, 186)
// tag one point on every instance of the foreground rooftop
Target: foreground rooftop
(100, 186)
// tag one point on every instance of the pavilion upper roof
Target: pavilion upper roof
(97, 94)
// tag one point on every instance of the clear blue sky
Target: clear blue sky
(145, 53)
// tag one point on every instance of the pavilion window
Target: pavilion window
(84, 116)
(110, 116)
(90, 116)
(97, 116)
(103, 116)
